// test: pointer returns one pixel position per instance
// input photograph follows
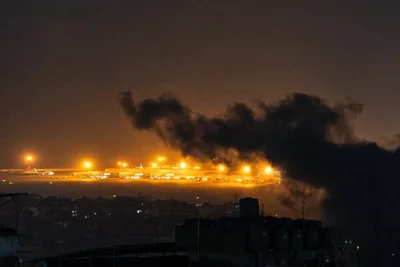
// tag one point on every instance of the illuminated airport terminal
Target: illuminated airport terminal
(160, 170)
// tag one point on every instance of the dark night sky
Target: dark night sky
(63, 63)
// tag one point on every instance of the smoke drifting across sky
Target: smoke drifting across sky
(312, 140)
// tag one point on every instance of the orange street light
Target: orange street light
(29, 158)
(268, 170)
(221, 168)
(246, 169)
(87, 164)
(160, 159)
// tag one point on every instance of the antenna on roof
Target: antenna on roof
(13, 198)
(236, 207)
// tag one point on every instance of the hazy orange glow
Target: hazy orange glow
(87, 164)
(249, 173)
(122, 164)
(246, 169)
(268, 170)
(221, 168)
(29, 158)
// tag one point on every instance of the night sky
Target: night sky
(63, 64)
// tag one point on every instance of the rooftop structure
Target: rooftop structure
(167, 254)
(253, 240)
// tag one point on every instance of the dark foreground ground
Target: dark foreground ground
(270, 196)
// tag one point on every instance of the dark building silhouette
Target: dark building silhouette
(253, 240)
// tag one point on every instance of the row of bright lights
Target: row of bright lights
(221, 168)
(124, 164)
(88, 164)
(267, 170)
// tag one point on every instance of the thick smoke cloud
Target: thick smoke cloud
(310, 139)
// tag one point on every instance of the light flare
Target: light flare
(247, 169)
(221, 168)
(268, 170)
(87, 164)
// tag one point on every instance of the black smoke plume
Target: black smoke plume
(311, 140)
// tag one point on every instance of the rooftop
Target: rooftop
(7, 231)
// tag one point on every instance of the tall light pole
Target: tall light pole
(198, 239)
(13, 197)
